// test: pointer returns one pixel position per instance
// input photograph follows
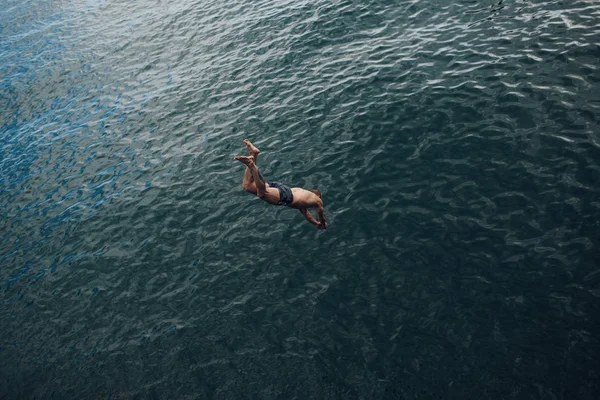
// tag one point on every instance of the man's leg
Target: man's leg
(248, 183)
(252, 150)
(261, 187)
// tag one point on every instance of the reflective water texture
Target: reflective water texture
(457, 146)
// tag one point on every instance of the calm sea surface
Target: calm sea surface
(457, 146)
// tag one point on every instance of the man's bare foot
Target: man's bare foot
(252, 149)
(247, 160)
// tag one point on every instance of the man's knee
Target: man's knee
(249, 188)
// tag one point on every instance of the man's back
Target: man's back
(305, 199)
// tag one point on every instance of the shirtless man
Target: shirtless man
(279, 194)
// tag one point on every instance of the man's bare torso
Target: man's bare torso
(304, 198)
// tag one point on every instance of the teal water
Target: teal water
(457, 146)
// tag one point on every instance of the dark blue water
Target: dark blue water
(457, 146)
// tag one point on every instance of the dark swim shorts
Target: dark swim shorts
(285, 193)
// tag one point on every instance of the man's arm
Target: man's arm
(321, 213)
(309, 217)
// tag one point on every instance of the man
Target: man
(279, 194)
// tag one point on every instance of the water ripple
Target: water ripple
(457, 148)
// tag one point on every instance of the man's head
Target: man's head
(316, 191)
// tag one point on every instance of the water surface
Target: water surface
(457, 146)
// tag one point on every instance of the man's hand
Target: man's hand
(322, 226)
